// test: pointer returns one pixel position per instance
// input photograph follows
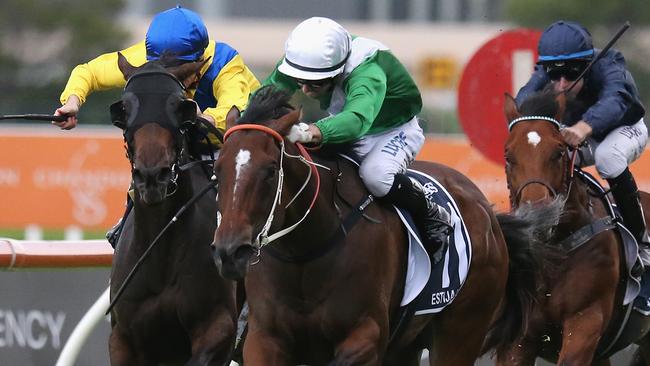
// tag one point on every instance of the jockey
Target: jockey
(610, 118)
(225, 81)
(373, 103)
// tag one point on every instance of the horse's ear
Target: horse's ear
(283, 124)
(118, 114)
(560, 99)
(184, 71)
(125, 67)
(231, 117)
(510, 107)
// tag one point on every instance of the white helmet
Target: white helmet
(316, 49)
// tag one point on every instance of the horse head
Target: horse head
(538, 168)
(154, 135)
(249, 173)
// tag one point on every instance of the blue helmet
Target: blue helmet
(563, 41)
(179, 31)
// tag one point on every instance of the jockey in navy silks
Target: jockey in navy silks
(609, 117)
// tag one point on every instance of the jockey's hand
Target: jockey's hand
(69, 109)
(577, 134)
(304, 133)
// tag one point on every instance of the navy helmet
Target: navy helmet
(563, 41)
(178, 31)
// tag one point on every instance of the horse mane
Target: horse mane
(268, 103)
(543, 103)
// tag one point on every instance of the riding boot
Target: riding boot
(113, 235)
(626, 195)
(433, 220)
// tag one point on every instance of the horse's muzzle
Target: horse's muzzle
(233, 260)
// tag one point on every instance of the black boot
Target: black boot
(626, 195)
(433, 221)
(113, 235)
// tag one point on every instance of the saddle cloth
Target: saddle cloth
(429, 289)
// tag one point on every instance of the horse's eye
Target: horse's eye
(510, 160)
(270, 172)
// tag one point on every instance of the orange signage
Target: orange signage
(55, 178)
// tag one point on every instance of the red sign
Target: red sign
(502, 65)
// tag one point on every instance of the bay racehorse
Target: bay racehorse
(177, 309)
(578, 309)
(326, 290)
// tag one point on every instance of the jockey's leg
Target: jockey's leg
(626, 195)
(385, 158)
(612, 157)
(433, 220)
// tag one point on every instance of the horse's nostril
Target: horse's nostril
(164, 175)
(243, 253)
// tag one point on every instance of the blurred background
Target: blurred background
(42, 40)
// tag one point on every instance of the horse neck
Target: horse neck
(320, 220)
(576, 212)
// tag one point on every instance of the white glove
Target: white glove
(300, 133)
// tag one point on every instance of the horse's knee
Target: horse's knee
(361, 347)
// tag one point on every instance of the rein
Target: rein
(144, 255)
(263, 238)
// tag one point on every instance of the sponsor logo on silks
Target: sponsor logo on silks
(395, 144)
(442, 297)
(429, 190)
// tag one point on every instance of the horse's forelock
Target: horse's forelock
(540, 104)
(268, 103)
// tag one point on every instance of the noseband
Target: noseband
(263, 238)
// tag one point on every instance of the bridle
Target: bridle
(263, 238)
(568, 172)
(177, 130)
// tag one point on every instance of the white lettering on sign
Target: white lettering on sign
(30, 329)
(86, 187)
(9, 177)
(523, 65)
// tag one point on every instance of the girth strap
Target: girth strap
(585, 233)
(338, 236)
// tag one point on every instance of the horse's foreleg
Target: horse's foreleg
(361, 346)
(213, 343)
(522, 352)
(581, 333)
(119, 349)
(264, 349)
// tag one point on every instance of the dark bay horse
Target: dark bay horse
(324, 292)
(177, 309)
(578, 308)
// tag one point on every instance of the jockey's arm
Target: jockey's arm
(537, 81)
(98, 74)
(101, 73)
(615, 96)
(231, 87)
(365, 92)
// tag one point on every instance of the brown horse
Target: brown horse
(177, 309)
(325, 291)
(578, 309)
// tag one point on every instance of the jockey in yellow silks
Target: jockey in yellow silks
(225, 79)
